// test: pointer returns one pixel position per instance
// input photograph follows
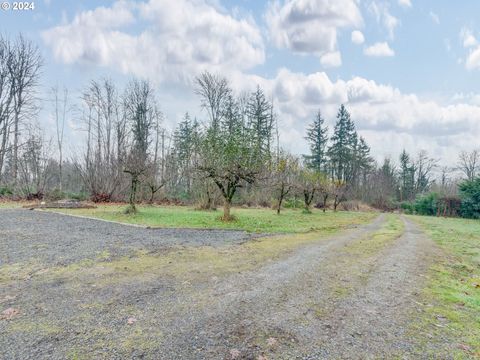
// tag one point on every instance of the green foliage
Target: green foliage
(426, 204)
(317, 137)
(293, 203)
(470, 194)
(408, 207)
(5, 191)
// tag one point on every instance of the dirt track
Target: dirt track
(327, 300)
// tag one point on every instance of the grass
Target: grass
(453, 291)
(252, 220)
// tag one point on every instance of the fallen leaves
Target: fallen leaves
(131, 320)
(9, 313)
(234, 354)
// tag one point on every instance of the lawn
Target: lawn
(252, 220)
(453, 292)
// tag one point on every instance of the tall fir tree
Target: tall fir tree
(260, 122)
(317, 137)
(342, 150)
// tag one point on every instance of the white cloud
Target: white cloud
(379, 49)
(381, 112)
(434, 17)
(357, 37)
(405, 3)
(382, 14)
(467, 37)
(333, 59)
(180, 38)
(310, 26)
(473, 59)
(469, 41)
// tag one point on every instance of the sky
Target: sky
(407, 70)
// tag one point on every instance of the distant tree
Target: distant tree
(140, 111)
(407, 177)
(285, 171)
(25, 71)
(310, 183)
(469, 163)
(470, 195)
(60, 105)
(342, 149)
(228, 155)
(424, 166)
(213, 91)
(317, 138)
(260, 122)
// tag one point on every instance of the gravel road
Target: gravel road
(320, 302)
(61, 239)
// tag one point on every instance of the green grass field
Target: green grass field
(453, 291)
(252, 220)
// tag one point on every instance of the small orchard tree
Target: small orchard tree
(310, 183)
(228, 158)
(338, 190)
(285, 170)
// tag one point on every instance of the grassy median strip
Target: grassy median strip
(252, 220)
(453, 292)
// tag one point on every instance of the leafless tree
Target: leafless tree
(60, 103)
(6, 97)
(213, 91)
(469, 163)
(25, 73)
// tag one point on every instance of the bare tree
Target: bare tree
(469, 163)
(60, 113)
(286, 169)
(213, 91)
(6, 97)
(25, 72)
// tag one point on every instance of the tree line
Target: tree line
(231, 156)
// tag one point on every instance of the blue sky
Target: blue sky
(408, 70)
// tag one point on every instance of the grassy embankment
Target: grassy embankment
(452, 296)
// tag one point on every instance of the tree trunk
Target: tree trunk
(226, 210)
(335, 203)
(325, 198)
(280, 199)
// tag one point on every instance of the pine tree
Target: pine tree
(344, 142)
(317, 138)
(260, 122)
(407, 177)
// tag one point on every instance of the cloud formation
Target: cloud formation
(470, 42)
(180, 37)
(357, 37)
(380, 49)
(310, 26)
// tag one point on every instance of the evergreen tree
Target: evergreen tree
(317, 138)
(260, 122)
(407, 177)
(343, 147)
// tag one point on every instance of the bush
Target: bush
(293, 204)
(407, 207)
(55, 195)
(426, 204)
(5, 191)
(470, 195)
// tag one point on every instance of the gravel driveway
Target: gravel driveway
(61, 239)
(320, 302)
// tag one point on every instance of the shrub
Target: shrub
(470, 195)
(5, 191)
(407, 207)
(426, 204)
